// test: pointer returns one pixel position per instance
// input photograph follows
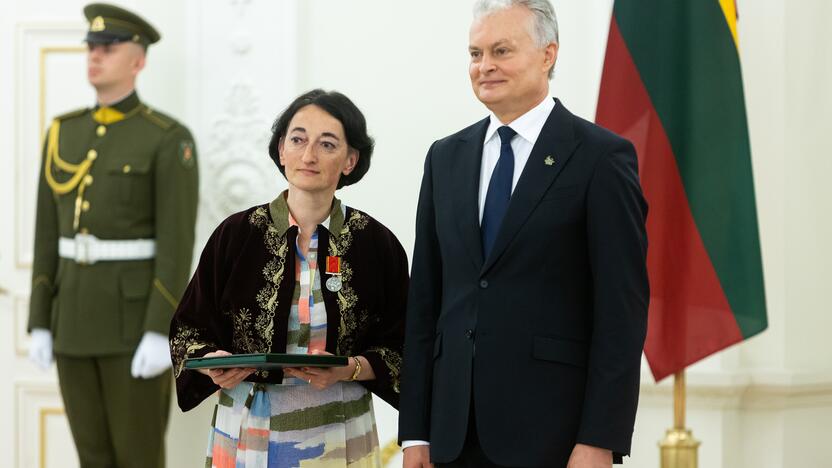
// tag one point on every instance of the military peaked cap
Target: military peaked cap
(110, 24)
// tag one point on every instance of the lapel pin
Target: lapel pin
(549, 160)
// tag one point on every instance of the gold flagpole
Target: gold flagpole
(679, 448)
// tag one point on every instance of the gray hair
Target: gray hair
(544, 28)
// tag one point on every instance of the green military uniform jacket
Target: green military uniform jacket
(118, 173)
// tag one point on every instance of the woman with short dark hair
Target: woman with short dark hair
(304, 274)
(339, 107)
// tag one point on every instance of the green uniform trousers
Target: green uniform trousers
(117, 421)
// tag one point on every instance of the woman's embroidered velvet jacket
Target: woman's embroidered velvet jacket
(240, 296)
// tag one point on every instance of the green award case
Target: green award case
(266, 361)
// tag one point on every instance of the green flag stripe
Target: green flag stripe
(689, 65)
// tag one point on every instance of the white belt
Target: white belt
(88, 249)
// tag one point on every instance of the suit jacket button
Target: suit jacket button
(483, 284)
(469, 334)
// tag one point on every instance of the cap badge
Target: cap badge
(97, 24)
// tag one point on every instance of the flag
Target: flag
(672, 85)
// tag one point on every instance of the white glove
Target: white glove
(152, 357)
(40, 348)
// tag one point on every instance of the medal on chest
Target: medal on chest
(333, 268)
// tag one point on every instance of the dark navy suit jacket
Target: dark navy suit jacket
(546, 333)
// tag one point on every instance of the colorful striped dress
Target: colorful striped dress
(294, 425)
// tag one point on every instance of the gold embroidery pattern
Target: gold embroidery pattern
(350, 320)
(347, 298)
(357, 222)
(243, 339)
(346, 271)
(183, 344)
(277, 245)
(259, 218)
(393, 361)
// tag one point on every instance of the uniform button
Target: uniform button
(469, 334)
(92, 154)
(85, 206)
(101, 130)
(483, 284)
(88, 179)
(126, 169)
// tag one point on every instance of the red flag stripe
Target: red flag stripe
(689, 315)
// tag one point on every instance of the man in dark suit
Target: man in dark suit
(528, 298)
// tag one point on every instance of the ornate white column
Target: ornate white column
(241, 72)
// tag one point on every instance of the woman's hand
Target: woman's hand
(226, 378)
(322, 377)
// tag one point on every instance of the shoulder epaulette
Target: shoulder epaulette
(158, 118)
(72, 114)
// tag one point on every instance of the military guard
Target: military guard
(114, 236)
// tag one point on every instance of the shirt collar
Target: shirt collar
(528, 125)
(282, 219)
(125, 104)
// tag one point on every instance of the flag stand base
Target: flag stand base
(679, 449)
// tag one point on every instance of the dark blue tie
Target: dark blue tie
(499, 192)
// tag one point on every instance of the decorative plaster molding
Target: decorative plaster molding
(239, 170)
(34, 43)
(253, 77)
(20, 315)
(35, 401)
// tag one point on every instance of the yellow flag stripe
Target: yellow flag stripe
(729, 9)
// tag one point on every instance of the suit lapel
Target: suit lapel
(469, 153)
(549, 156)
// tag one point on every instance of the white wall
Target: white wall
(405, 64)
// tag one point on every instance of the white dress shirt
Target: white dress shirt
(528, 127)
